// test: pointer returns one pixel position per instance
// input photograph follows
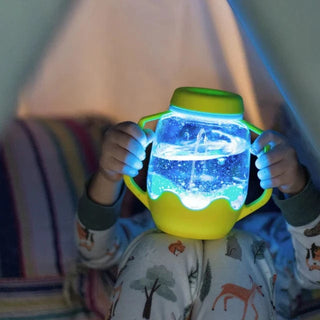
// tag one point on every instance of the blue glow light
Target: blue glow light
(206, 116)
(200, 161)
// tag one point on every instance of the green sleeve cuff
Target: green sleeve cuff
(302, 208)
(95, 216)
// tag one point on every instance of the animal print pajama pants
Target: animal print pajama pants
(170, 278)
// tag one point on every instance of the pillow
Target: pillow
(44, 164)
(43, 167)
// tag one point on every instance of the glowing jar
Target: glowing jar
(198, 172)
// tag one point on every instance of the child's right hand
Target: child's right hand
(123, 150)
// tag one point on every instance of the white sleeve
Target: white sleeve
(306, 243)
(101, 249)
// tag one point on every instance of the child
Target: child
(161, 276)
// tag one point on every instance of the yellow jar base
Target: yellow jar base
(213, 222)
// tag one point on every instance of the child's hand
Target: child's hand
(123, 150)
(279, 167)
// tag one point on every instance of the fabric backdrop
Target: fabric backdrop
(125, 58)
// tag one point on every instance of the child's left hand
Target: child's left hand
(279, 167)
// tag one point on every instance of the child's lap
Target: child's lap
(180, 274)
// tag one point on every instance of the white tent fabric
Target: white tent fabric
(25, 30)
(286, 35)
(124, 59)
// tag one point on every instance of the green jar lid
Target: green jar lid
(207, 100)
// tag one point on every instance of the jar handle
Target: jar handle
(129, 181)
(266, 195)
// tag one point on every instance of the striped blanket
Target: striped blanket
(44, 164)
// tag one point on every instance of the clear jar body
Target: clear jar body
(200, 159)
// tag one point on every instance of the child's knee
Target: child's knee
(237, 245)
(160, 244)
(171, 260)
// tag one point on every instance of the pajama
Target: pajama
(231, 278)
(161, 276)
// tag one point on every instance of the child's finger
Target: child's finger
(130, 171)
(124, 156)
(115, 166)
(127, 143)
(271, 157)
(272, 171)
(267, 138)
(132, 138)
(269, 183)
(133, 130)
(282, 182)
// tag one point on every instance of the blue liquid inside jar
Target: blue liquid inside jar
(200, 160)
